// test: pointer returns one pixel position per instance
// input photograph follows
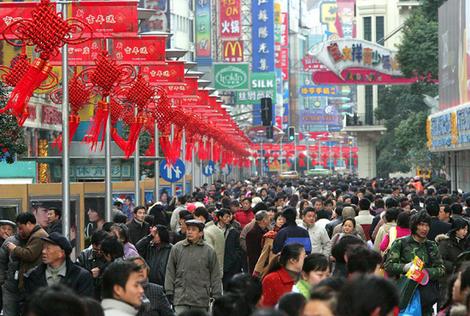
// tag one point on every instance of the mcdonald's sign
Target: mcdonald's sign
(233, 51)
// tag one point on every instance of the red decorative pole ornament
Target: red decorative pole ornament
(47, 31)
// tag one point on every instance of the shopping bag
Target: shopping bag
(414, 307)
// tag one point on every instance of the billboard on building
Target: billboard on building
(453, 53)
(203, 32)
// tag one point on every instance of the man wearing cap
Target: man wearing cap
(57, 268)
(29, 255)
(7, 229)
(192, 275)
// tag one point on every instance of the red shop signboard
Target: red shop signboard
(83, 54)
(108, 18)
(140, 50)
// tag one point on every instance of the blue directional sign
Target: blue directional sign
(208, 169)
(172, 173)
(227, 170)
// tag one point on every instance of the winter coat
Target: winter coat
(267, 254)
(318, 238)
(156, 257)
(233, 251)
(88, 261)
(276, 284)
(253, 245)
(137, 231)
(76, 278)
(244, 217)
(401, 232)
(55, 227)
(383, 231)
(9, 264)
(289, 234)
(30, 254)
(112, 307)
(214, 237)
(437, 228)
(193, 274)
(159, 305)
(450, 248)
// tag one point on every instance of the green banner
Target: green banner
(262, 85)
(231, 76)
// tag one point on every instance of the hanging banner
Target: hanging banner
(13, 11)
(83, 54)
(229, 19)
(139, 50)
(203, 32)
(232, 51)
(263, 35)
(263, 85)
(156, 73)
(108, 18)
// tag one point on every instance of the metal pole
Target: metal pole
(261, 163)
(65, 139)
(295, 152)
(193, 171)
(183, 153)
(280, 155)
(156, 176)
(319, 151)
(107, 156)
(137, 170)
(172, 138)
(212, 158)
(350, 158)
(308, 155)
(341, 153)
(201, 166)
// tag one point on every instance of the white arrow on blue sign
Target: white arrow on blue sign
(172, 173)
(208, 169)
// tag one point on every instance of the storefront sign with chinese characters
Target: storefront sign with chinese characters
(263, 35)
(203, 31)
(108, 18)
(229, 19)
(232, 51)
(342, 54)
(263, 85)
(13, 11)
(156, 73)
(318, 91)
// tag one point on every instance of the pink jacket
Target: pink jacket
(401, 232)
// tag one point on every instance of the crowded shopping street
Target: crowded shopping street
(234, 158)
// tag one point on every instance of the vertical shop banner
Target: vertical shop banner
(263, 35)
(203, 31)
(229, 19)
(232, 51)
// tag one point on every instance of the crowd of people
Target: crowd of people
(313, 247)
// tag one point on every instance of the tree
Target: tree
(11, 134)
(402, 108)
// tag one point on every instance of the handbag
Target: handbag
(414, 307)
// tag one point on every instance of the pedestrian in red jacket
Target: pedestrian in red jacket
(283, 274)
(245, 214)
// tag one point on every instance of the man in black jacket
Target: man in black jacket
(138, 228)
(437, 226)
(57, 268)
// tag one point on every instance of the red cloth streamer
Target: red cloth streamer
(203, 152)
(301, 162)
(134, 132)
(74, 122)
(36, 74)
(98, 125)
(171, 149)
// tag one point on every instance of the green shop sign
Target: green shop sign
(232, 76)
(263, 85)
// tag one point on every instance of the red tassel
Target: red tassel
(98, 125)
(74, 122)
(301, 163)
(118, 139)
(135, 129)
(151, 149)
(17, 104)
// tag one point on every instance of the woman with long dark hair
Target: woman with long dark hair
(283, 273)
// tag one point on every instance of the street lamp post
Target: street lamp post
(295, 151)
(281, 135)
(350, 156)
